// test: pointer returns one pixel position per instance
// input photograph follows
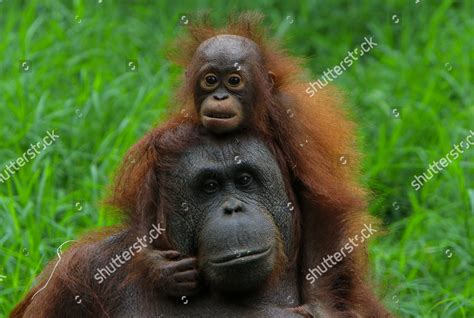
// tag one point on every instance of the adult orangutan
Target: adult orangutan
(237, 80)
(236, 222)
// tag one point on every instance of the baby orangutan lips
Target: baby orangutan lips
(219, 119)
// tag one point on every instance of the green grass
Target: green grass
(79, 85)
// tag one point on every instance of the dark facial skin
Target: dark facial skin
(235, 213)
(224, 89)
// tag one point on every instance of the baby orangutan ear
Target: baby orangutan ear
(271, 78)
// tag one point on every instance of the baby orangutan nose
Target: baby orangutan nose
(221, 96)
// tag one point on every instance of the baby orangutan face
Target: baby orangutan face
(224, 92)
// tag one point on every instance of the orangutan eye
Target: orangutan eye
(211, 79)
(234, 80)
(244, 180)
(211, 186)
(209, 82)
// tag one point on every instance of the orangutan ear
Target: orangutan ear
(271, 78)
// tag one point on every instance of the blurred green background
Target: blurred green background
(412, 96)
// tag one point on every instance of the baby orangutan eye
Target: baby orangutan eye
(235, 81)
(209, 81)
